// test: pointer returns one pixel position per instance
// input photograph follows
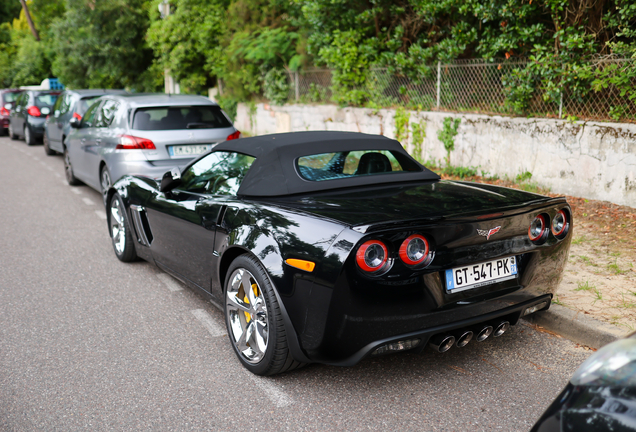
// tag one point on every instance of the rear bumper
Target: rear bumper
(510, 314)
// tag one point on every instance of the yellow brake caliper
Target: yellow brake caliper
(246, 300)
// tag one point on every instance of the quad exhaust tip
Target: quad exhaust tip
(501, 328)
(442, 343)
(463, 338)
(484, 333)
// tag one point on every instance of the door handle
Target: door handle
(98, 141)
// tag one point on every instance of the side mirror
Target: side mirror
(74, 122)
(170, 180)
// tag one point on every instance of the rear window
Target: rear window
(85, 103)
(171, 118)
(10, 96)
(346, 164)
(47, 99)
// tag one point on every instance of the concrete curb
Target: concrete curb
(577, 326)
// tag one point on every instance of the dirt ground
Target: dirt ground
(600, 277)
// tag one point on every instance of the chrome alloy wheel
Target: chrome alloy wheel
(105, 183)
(117, 227)
(247, 316)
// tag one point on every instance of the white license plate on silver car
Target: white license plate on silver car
(188, 150)
(477, 275)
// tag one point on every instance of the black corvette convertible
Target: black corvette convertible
(330, 246)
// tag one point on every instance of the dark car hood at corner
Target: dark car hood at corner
(427, 200)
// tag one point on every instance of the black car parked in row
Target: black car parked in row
(7, 101)
(71, 103)
(329, 247)
(29, 114)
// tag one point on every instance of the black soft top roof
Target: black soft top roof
(274, 171)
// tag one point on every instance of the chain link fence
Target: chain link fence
(469, 86)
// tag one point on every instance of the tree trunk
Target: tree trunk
(29, 20)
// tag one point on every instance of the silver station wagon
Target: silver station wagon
(141, 134)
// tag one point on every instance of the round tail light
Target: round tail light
(537, 228)
(559, 223)
(372, 256)
(414, 250)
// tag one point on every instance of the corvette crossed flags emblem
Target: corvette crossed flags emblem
(488, 233)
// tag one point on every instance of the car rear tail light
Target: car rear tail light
(414, 250)
(372, 256)
(77, 116)
(4, 111)
(235, 135)
(129, 142)
(538, 228)
(560, 224)
(34, 111)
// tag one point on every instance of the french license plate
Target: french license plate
(474, 276)
(187, 150)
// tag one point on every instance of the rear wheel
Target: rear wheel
(254, 320)
(105, 183)
(119, 228)
(12, 134)
(68, 170)
(47, 149)
(28, 136)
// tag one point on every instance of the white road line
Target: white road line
(58, 175)
(279, 397)
(65, 183)
(35, 158)
(48, 167)
(100, 214)
(169, 281)
(209, 323)
(76, 191)
(88, 201)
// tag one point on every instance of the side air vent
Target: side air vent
(142, 228)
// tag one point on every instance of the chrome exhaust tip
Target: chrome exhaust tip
(501, 328)
(484, 333)
(442, 343)
(463, 338)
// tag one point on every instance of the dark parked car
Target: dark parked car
(330, 247)
(141, 134)
(29, 114)
(600, 397)
(7, 100)
(71, 103)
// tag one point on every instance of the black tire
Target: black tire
(120, 231)
(276, 357)
(68, 170)
(47, 149)
(105, 182)
(28, 136)
(12, 134)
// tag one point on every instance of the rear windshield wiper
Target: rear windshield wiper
(199, 125)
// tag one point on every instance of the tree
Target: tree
(103, 44)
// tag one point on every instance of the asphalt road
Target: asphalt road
(88, 342)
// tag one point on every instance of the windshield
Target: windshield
(172, 118)
(85, 103)
(46, 99)
(218, 173)
(10, 96)
(345, 164)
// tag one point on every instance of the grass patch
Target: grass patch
(584, 286)
(598, 294)
(579, 240)
(461, 172)
(615, 268)
(587, 261)
(556, 301)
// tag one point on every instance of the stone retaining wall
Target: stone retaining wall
(593, 160)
